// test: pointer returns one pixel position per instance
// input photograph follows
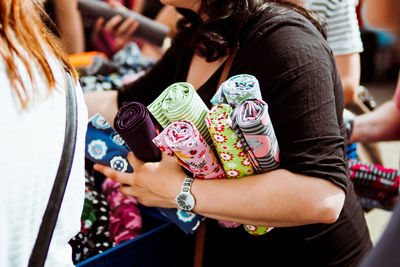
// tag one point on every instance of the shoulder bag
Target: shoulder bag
(42, 244)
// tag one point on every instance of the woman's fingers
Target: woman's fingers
(112, 23)
(134, 161)
(117, 176)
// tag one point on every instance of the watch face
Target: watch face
(185, 201)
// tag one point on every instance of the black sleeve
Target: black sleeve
(150, 86)
(301, 86)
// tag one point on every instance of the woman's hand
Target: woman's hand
(154, 184)
(122, 30)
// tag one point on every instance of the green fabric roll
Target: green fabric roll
(180, 101)
(233, 157)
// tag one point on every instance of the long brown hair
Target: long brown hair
(22, 29)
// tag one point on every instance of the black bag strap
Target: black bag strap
(42, 244)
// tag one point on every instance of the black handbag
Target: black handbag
(41, 246)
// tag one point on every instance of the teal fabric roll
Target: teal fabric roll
(236, 89)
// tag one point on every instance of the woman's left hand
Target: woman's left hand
(154, 184)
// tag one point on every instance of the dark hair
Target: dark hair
(227, 23)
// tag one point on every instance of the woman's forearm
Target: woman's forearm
(103, 102)
(69, 21)
(383, 124)
(278, 198)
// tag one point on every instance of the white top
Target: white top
(341, 24)
(31, 143)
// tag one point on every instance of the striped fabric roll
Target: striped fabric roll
(183, 138)
(236, 89)
(180, 101)
(251, 121)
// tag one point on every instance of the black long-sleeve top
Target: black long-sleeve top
(299, 81)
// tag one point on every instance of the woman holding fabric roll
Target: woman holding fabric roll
(309, 199)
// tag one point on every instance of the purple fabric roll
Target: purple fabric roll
(134, 125)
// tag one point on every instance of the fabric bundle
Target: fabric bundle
(94, 236)
(234, 159)
(125, 215)
(134, 125)
(180, 101)
(232, 154)
(376, 186)
(105, 146)
(183, 140)
(236, 89)
(250, 120)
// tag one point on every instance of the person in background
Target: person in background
(343, 35)
(383, 124)
(68, 22)
(309, 200)
(33, 116)
(344, 38)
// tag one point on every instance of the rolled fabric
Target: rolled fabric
(251, 121)
(180, 101)
(134, 125)
(236, 89)
(183, 138)
(136, 128)
(105, 146)
(230, 150)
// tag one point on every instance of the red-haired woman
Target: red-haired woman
(32, 118)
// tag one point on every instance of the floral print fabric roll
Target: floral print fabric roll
(234, 159)
(184, 140)
(236, 89)
(232, 154)
(180, 101)
(252, 123)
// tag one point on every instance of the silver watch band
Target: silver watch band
(187, 184)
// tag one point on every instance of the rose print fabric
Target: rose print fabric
(236, 89)
(180, 101)
(250, 120)
(184, 140)
(231, 152)
(125, 216)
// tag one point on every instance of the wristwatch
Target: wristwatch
(185, 199)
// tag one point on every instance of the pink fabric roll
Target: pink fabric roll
(182, 139)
